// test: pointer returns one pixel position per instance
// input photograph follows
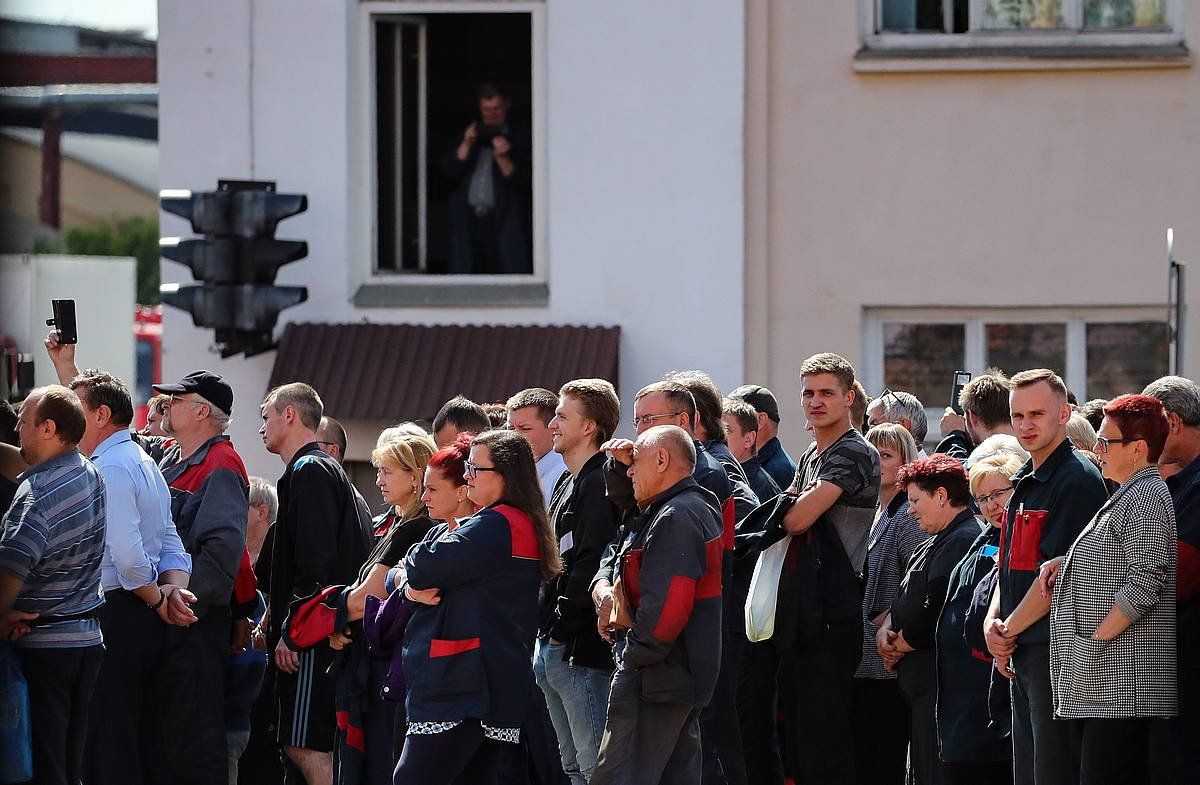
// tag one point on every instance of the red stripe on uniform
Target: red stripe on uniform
(441, 648)
(313, 621)
(520, 527)
(246, 584)
(728, 523)
(677, 609)
(709, 584)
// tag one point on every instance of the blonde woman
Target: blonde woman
(972, 750)
(880, 715)
(400, 460)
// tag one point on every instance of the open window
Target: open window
(449, 202)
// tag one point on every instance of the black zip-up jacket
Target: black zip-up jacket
(585, 522)
(1047, 510)
(322, 534)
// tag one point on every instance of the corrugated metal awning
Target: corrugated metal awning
(407, 371)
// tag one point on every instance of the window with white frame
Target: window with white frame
(1007, 23)
(1100, 353)
(453, 93)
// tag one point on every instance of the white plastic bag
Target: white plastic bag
(764, 592)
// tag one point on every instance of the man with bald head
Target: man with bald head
(667, 621)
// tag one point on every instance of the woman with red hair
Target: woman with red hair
(445, 490)
(938, 497)
(1112, 615)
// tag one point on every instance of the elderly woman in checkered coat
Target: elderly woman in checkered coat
(1112, 618)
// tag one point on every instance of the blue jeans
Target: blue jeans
(577, 698)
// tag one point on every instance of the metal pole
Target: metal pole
(1180, 270)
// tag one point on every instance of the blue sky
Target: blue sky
(103, 14)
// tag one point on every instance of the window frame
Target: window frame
(974, 321)
(376, 288)
(981, 40)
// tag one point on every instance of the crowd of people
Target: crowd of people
(543, 601)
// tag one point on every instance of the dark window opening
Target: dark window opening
(438, 212)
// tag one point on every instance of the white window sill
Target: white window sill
(1034, 57)
(446, 292)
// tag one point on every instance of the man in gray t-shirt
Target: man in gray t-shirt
(852, 465)
(837, 484)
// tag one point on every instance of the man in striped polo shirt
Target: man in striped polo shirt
(51, 546)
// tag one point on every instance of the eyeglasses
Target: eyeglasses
(472, 471)
(1102, 443)
(646, 419)
(984, 501)
(174, 399)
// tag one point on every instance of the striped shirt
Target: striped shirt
(52, 540)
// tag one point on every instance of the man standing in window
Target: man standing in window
(489, 227)
(1055, 494)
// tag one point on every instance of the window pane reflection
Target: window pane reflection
(1124, 357)
(1018, 347)
(922, 358)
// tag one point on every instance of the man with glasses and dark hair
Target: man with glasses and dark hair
(331, 438)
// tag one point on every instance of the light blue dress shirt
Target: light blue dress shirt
(141, 541)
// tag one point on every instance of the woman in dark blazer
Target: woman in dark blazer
(938, 495)
(468, 648)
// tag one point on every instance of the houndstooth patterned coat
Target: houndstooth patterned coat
(1126, 556)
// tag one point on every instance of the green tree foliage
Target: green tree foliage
(136, 237)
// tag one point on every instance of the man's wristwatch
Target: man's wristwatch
(162, 597)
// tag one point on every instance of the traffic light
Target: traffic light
(236, 261)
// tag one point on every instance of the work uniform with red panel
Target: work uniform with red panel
(209, 502)
(468, 660)
(1049, 507)
(669, 566)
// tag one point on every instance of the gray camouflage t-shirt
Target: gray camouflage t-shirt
(852, 464)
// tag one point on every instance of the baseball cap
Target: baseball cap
(208, 385)
(762, 399)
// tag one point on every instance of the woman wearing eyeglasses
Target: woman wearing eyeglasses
(974, 750)
(468, 648)
(1112, 614)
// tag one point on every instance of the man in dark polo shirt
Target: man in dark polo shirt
(1174, 753)
(1055, 495)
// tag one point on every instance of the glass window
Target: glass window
(922, 358)
(928, 16)
(454, 143)
(1124, 13)
(1123, 357)
(1022, 14)
(1017, 347)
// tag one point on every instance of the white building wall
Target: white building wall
(644, 173)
